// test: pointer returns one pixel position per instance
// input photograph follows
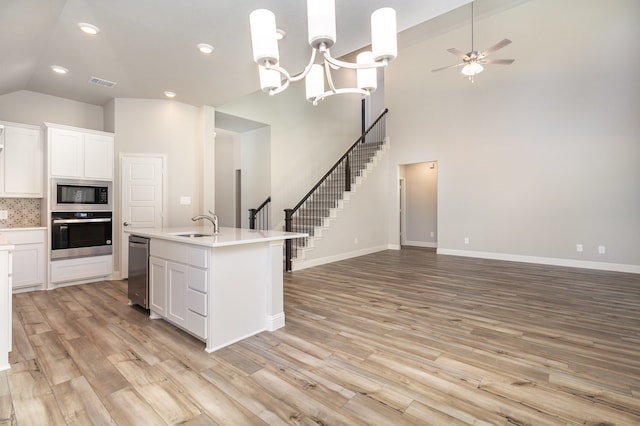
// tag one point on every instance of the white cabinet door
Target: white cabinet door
(158, 286)
(66, 148)
(28, 265)
(176, 292)
(98, 157)
(77, 154)
(23, 162)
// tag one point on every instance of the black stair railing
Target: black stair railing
(259, 218)
(325, 195)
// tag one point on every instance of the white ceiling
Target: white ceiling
(149, 46)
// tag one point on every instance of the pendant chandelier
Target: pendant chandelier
(321, 22)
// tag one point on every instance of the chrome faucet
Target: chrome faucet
(211, 217)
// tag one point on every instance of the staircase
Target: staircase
(313, 213)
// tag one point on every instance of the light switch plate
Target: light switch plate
(185, 200)
(4, 214)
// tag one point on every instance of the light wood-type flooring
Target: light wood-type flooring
(392, 338)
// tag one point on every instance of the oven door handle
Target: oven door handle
(99, 220)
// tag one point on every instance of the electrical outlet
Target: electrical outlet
(602, 249)
(4, 214)
(466, 240)
(355, 240)
(185, 201)
(433, 234)
(579, 248)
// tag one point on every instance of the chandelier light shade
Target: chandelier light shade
(321, 25)
(269, 79)
(321, 22)
(263, 37)
(383, 34)
(367, 77)
(314, 83)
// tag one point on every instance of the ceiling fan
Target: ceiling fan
(472, 62)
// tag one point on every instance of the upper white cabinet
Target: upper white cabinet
(79, 153)
(21, 161)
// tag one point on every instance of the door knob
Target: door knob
(126, 224)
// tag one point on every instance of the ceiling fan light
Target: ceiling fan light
(321, 22)
(472, 69)
(384, 34)
(263, 36)
(367, 77)
(314, 82)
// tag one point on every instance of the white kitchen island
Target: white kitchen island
(220, 288)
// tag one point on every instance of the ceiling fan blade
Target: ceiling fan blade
(459, 53)
(497, 61)
(498, 45)
(447, 67)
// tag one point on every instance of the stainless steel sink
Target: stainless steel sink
(193, 235)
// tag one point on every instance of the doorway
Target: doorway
(418, 208)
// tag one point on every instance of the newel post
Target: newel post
(288, 226)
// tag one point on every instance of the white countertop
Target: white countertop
(31, 228)
(225, 237)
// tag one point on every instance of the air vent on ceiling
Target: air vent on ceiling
(101, 82)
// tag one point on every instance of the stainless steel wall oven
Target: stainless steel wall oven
(80, 234)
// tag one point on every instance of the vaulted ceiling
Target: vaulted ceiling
(149, 46)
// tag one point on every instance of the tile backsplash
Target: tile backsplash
(23, 212)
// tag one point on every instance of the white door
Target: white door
(142, 198)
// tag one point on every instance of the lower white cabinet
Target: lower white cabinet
(28, 258)
(179, 285)
(80, 270)
(5, 305)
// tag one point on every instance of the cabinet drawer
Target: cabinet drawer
(198, 279)
(178, 252)
(197, 324)
(197, 302)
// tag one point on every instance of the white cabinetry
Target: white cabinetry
(28, 258)
(21, 161)
(80, 270)
(158, 286)
(5, 305)
(179, 285)
(79, 153)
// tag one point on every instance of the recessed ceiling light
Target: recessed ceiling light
(169, 94)
(205, 48)
(59, 70)
(280, 34)
(88, 28)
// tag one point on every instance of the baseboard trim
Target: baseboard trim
(571, 263)
(275, 322)
(303, 264)
(421, 244)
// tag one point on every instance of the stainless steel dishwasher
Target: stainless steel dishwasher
(139, 271)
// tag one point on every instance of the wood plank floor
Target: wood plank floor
(392, 338)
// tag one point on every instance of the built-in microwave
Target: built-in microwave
(72, 194)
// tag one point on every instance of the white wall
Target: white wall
(146, 126)
(36, 108)
(305, 140)
(164, 127)
(226, 163)
(537, 156)
(256, 170)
